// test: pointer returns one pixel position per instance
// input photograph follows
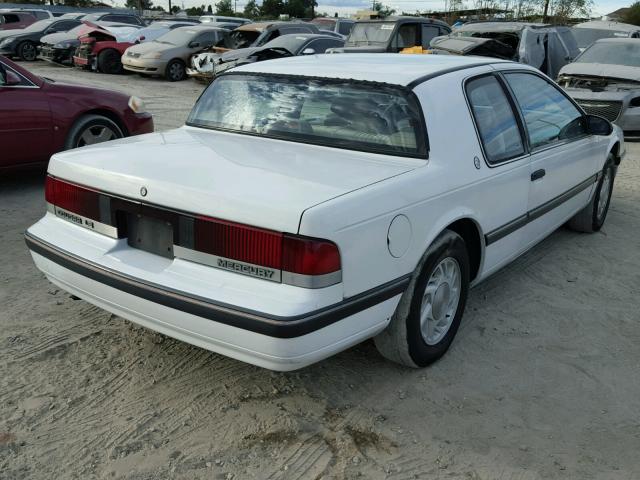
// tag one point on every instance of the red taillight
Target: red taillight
(73, 198)
(289, 253)
(309, 256)
(238, 242)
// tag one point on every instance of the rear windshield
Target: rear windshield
(611, 53)
(334, 113)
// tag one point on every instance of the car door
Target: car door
(564, 157)
(25, 122)
(504, 195)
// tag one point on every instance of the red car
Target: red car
(100, 50)
(39, 117)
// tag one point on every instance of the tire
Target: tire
(27, 51)
(408, 340)
(109, 62)
(591, 218)
(175, 71)
(92, 129)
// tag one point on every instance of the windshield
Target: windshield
(334, 113)
(370, 34)
(179, 36)
(586, 36)
(243, 38)
(613, 53)
(38, 26)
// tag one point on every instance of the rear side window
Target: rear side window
(495, 119)
(8, 18)
(549, 115)
(335, 113)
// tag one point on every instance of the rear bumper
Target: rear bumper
(275, 341)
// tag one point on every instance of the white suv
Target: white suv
(336, 198)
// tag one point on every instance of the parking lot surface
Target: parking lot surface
(541, 382)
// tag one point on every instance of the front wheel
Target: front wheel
(92, 129)
(27, 51)
(109, 62)
(175, 71)
(429, 313)
(592, 217)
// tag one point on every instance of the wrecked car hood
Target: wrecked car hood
(623, 72)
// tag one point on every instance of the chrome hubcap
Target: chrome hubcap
(440, 301)
(97, 134)
(604, 193)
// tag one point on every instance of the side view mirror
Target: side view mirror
(193, 44)
(12, 79)
(599, 126)
(308, 51)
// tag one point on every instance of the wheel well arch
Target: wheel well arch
(615, 149)
(105, 113)
(471, 233)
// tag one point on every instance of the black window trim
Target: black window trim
(29, 83)
(424, 140)
(558, 143)
(516, 113)
(524, 134)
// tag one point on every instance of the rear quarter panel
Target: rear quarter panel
(442, 190)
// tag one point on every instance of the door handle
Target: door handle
(538, 174)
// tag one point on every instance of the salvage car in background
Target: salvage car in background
(168, 55)
(223, 19)
(605, 81)
(393, 34)
(331, 201)
(101, 50)
(341, 26)
(60, 47)
(205, 66)
(257, 34)
(588, 32)
(39, 117)
(15, 20)
(24, 43)
(545, 47)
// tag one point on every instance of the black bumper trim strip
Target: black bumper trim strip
(508, 228)
(258, 322)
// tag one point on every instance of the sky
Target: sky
(346, 7)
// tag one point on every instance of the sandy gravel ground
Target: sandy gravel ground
(542, 382)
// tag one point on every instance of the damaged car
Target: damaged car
(101, 50)
(392, 35)
(545, 47)
(168, 55)
(605, 81)
(205, 66)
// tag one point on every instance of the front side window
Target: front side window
(429, 32)
(549, 115)
(407, 36)
(333, 113)
(495, 119)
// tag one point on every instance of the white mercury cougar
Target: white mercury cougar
(313, 202)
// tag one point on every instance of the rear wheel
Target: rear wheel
(592, 217)
(27, 51)
(429, 313)
(92, 129)
(175, 71)
(109, 62)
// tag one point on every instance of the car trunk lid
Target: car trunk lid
(256, 181)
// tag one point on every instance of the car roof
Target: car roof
(500, 26)
(379, 67)
(608, 25)
(403, 20)
(618, 40)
